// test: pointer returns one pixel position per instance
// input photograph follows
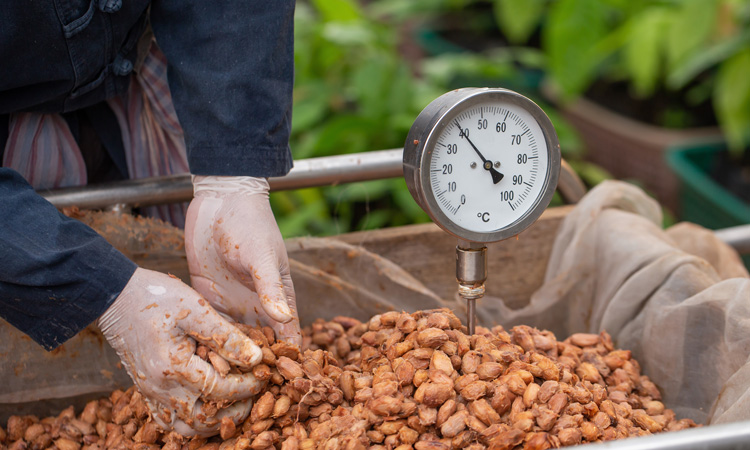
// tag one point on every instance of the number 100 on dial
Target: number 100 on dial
(482, 162)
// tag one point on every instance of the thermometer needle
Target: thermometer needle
(487, 164)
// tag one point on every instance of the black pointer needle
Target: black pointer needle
(496, 176)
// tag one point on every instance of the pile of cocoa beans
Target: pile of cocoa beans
(400, 381)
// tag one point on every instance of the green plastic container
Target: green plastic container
(703, 200)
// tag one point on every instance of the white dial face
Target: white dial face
(488, 166)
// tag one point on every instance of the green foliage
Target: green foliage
(691, 25)
(518, 19)
(732, 98)
(643, 49)
(572, 29)
(353, 93)
(696, 46)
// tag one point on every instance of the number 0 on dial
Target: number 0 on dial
(482, 162)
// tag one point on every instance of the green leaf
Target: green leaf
(400, 10)
(644, 49)
(345, 134)
(406, 203)
(369, 82)
(590, 173)
(691, 26)
(399, 94)
(446, 69)
(732, 100)
(348, 33)
(338, 10)
(528, 57)
(300, 212)
(310, 105)
(374, 219)
(518, 19)
(574, 28)
(366, 191)
(570, 142)
(706, 59)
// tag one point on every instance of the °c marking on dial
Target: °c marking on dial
(485, 216)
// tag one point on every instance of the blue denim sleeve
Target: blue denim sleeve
(57, 275)
(231, 73)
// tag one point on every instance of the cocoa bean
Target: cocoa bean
(454, 424)
(399, 381)
(474, 391)
(220, 364)
(570, 436)
(484, 412)
(33, 431)
(432, 337)
(446, 410)
(584, 339)
(489, 370)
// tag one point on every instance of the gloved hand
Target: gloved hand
(153, 325)
(236, 255)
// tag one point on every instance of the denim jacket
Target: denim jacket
(231, 69)
(230, 74)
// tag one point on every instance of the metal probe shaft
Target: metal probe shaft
(471, 273)
(471, 314)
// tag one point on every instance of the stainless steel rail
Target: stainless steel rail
(324, 171)
(738, 237)
(329, 170)
(714, 437)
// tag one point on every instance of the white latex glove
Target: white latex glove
(153, 325)
(236, 255)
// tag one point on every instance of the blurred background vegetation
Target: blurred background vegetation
(366, 68)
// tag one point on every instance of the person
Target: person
(230, 76)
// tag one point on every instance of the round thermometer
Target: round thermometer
(482, 162)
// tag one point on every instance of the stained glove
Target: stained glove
(236, 255)
(153, 325)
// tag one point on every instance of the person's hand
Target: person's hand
(236, 255)
(154, 325)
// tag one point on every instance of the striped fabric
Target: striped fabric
(42, 149)
(152, 136)
(29, 150)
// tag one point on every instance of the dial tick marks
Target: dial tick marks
(487, 164)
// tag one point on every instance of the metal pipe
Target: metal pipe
(311, 172)
(329, 170)
(140, 192)
(471, 273)
(737, 237)
(714, 437)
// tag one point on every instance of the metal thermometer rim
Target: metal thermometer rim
(430, 124)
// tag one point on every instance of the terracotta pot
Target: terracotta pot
(629, 149)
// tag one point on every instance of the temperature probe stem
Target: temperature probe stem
(471, 273)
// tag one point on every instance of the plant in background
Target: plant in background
(697, 51)
(353, 93)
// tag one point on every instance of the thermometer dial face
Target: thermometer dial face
(483, 163)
